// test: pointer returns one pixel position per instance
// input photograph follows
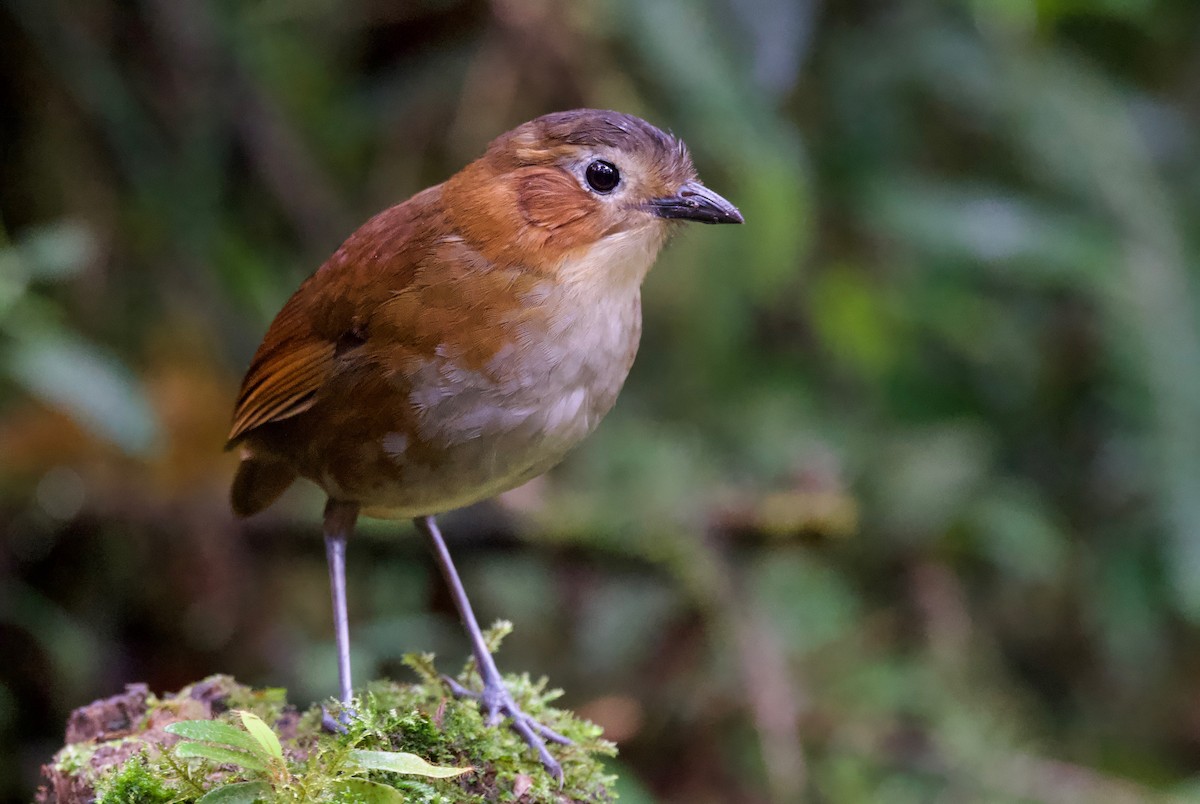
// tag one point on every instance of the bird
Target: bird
(460, 343)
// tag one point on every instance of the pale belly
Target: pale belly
(480, 433)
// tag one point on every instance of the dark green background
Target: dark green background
(901, 502)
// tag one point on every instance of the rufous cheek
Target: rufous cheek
(550, 198)
(560, 214)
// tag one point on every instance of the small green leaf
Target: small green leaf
(214, 731)
(238, 793)
(361, 791)
(399, 762)
(225, 756)
(262, 733)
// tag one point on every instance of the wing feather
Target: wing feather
(299, 355)
(282, 384)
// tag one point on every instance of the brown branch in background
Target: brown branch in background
(775, 703)
(942, 606)
(769, 685)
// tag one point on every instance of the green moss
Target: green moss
(422, 718)
(268, 703)
(135, 783)
(75, 758)
(425, 719)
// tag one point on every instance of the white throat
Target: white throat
(617, 263)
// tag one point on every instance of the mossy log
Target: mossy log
(119, 751)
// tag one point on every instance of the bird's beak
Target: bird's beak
(695, 202)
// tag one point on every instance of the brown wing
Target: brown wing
(288, 370)
(300, 352)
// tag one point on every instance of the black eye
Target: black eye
(603, 176)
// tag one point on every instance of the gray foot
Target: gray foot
(336, 725)
(497, 702)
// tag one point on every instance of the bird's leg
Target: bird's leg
(339, 523)
(495, 699)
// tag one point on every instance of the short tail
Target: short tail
(258, 483)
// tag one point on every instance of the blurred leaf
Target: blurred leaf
(1032, 241)
(656, 471)
(807, 602)
(56, 251)
(1126, 615)
(519, 586)
(88, 383)
(734, 128)
(928, 476)
(50, 253)
(622, 622)
(628, 787)
(58, 634)
(782, 32)
(854, 321)
(1017, 533)
(1187, 791)
(13, 279)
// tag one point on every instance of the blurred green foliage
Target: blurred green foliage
(900, 502)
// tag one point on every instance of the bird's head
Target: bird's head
(565, 183)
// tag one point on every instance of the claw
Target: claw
(498, 703)
(458, 689)
(336, 725)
